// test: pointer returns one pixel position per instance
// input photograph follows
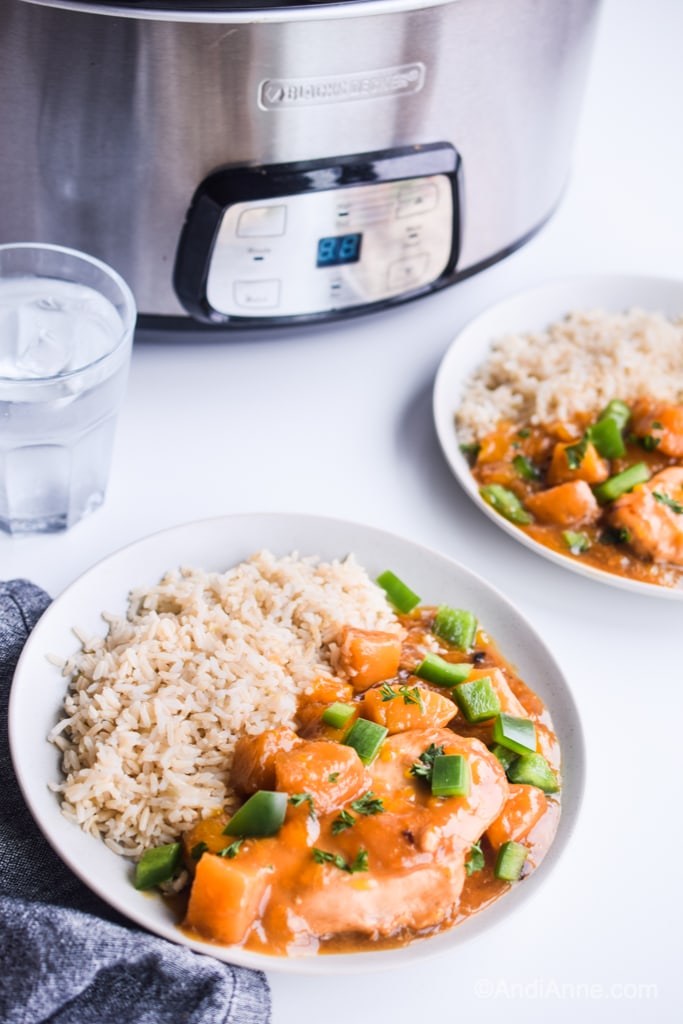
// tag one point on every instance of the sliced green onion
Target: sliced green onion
(525, 468)
(618, 411)
(337, 715)
(261, 815)
(157, 865)
(456, 626)
(606, 437)
(441, 672)
(366, 738)
(398, 593)
(533, 770)
(577, 542)
(510, 861)
(477, 700)
(622, 482)
(518, 734)
(450, 775)
(506, 502)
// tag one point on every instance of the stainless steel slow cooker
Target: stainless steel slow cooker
(260, 163)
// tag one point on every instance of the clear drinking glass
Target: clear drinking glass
(66, 330)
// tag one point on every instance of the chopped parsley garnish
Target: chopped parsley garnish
(525, 468)
(368, 804)
(424, 767)
(296, 799)
(333, 776)
(343, 821)
(475, 861)
(524, 433)
(671, 503)
(576, 452)
(197, 851)
(232, 850)
(360, 862)
(410, 695)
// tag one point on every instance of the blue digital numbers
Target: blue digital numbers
(338, 249)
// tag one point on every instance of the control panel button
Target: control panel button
(257, 294)
(262, 222)
(417, 199)
(408, 273)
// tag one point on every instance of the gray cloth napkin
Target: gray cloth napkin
(65, 956)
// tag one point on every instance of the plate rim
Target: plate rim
(447, 435)
(353, 963)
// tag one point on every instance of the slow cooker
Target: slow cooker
(263, 163)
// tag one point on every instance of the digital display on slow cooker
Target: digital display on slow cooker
(338, 249)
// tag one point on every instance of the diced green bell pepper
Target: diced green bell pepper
(157, 865)
(261, 815)
(477, 699)
(618, 411)
(533, 770)
(441, 672)
(621, 483)
(337, 715)
(510, 861)
(518, 734)
(607, 439)
(366, 738)
(398, 593)
(505, 501)
(504, 755)
(456, 626)
(450, 775)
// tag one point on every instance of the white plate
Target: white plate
(528, 311)
(216, 544)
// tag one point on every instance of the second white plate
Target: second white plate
(528, 311)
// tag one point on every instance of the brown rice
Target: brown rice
(155, 706)
(575, 365)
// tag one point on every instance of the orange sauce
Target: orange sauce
(606, 550)
(291, 880)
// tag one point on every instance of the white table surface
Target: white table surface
(337, 420)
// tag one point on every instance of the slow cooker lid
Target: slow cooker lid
(204, 5)
(236, 10)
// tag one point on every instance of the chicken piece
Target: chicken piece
(663, 423)
(591, 468)
(465, 818)
(253, 765)
(363, 903)
(369, 656)
(508, 702)
(569, 504)
(411, 707)
(524, 807)
(329, 772)
(652, 515)
(416, 847)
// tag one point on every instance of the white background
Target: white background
(337, 420)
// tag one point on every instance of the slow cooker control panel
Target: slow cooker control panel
(317, 240)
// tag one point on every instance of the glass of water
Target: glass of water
(66, 330)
